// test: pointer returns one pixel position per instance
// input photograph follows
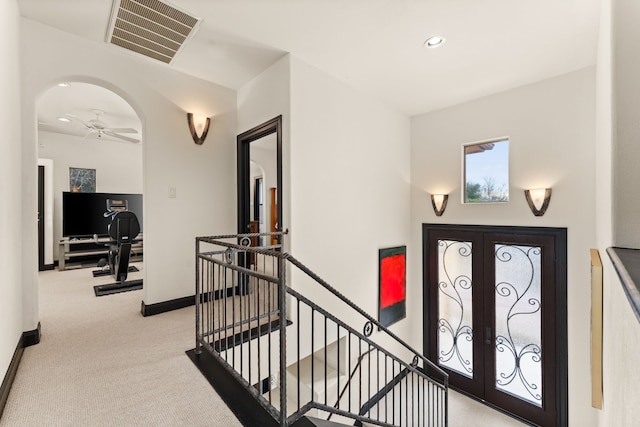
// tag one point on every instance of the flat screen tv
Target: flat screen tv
(83, 213)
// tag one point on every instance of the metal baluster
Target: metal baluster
(313, 334)
(216, 303)
(349, 386)
(283, 341)
(207, 307)
(198, 283)
(338, 362)
(369, 382)
(414, 393)
(241, 291)
(406, 396)
(393, 392)
(226, 313)
(360, 375)
(269, 299)
(438, 406)
(399, 393)
(425, 405)
(298, 362)
(233, 317)
(432, 405)
(325, 360)
(378, 379)
(386, 381)
(257, 299)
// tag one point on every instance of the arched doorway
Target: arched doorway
(89, 141)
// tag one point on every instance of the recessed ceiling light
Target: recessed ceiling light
(63, 84)
(434, 41)
(64, 119)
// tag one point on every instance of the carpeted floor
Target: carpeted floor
(100, 363)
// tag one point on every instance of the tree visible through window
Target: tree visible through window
(486, 172)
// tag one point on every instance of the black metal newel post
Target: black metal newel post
(198, 349)
(283, 339)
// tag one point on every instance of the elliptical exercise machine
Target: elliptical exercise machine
(123, 230)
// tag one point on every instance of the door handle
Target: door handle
(487, 335)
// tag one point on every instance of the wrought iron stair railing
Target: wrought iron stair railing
(294, 356)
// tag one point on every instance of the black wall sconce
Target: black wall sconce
(538, 200)
(198, 124)
(439, 203)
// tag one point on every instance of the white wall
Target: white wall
(264, 98)
(346, 187)
(621, 346)
(161, 97)
(118, 167)
(10, 187)
(626, 69)
(350, 190)
(552, 144)
(621, 329)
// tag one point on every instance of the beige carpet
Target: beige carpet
(100, 363)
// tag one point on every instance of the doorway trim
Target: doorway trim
(561, 344)
(244, 180)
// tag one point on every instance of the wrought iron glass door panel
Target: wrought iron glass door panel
(492, 318)
(456, 336)
(520, 362)
(518, 334)
(455, 322)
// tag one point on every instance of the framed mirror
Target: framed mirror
(486, 171)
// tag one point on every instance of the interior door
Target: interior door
(492, 316)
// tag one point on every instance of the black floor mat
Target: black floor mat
(98, 273)
(115, 288)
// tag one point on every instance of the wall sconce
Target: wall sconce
(198, 126)
(439, 203)
(538, 200)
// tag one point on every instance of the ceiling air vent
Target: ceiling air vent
(150, 27)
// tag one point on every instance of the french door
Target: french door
(495, 315)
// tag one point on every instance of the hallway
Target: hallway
(100, 363)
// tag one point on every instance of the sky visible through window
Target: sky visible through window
(487, 172)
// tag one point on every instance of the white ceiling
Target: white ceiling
(372, 45)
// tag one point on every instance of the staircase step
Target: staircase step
(331, 376)
(292, 403)
(316, 422)
(248, 335)
(238, 399)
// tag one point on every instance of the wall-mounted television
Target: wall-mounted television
(83, 213)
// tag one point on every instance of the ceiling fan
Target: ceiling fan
(100, 129)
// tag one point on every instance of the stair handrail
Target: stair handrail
(381, 327)
(276, 251)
